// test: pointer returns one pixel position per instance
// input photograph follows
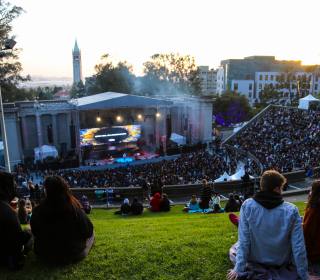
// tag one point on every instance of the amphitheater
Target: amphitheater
(178, 245)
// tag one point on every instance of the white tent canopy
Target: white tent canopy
(304, 103)
(237, 176)
(177, 138)
(40, 153)
(222, 178)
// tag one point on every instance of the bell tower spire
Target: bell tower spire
(77, 65)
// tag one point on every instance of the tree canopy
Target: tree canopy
(10, 67)
(231, 108)
(111, 76)
(171, 73)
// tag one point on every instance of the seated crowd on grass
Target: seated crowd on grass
(272, 238)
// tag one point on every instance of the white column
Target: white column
(39, 129)
(25, 132)
(54, 130)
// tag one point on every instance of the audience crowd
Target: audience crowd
(285, 139)
(188, 168)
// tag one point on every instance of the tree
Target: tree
(171, 73)
(77, 90)
(10, 67)
(111, 77)
(231, 108)
(270, 94)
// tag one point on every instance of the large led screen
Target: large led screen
(110, 135)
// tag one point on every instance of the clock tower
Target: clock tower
(77, 67)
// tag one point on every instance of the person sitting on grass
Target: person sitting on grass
(164, 203)
(270, 236)
(238, 199)
(125, 208)
(155, 203)
(215, 200)
(14, 242)
(311, 227)
(85, 204)
(24, 216)
(193, 205)
(232, 205)
(62, 232)
(136, 207)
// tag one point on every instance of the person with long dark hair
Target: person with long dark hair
(14, 242)
(62, 231)
(311, 224)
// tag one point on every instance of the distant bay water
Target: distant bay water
(34, 83)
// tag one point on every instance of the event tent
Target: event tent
(40, 153)
(222, 178)
(304, 102)
(237, 176)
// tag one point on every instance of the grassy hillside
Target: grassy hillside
(171, 245)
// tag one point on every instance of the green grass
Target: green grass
(171, 245)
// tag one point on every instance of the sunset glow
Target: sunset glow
(134, 30)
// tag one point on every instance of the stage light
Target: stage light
(119, 118)
(98, 118)
(139, 117)
(158, 115)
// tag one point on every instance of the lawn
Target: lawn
(171, 245)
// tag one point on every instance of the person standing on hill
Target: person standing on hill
(206, 194)
(270, 236)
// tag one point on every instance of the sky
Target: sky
(133, 30)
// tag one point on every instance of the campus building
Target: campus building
(208, 80)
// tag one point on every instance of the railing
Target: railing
(248, 123)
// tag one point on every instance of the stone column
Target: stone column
(54, 130)
(78, 145)
(68, 131)
(25, 132)
(39, 129)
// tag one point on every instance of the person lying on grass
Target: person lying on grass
(62, 232)
(14, 242)
(270, 236)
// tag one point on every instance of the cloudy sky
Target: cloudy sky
(210, 30)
